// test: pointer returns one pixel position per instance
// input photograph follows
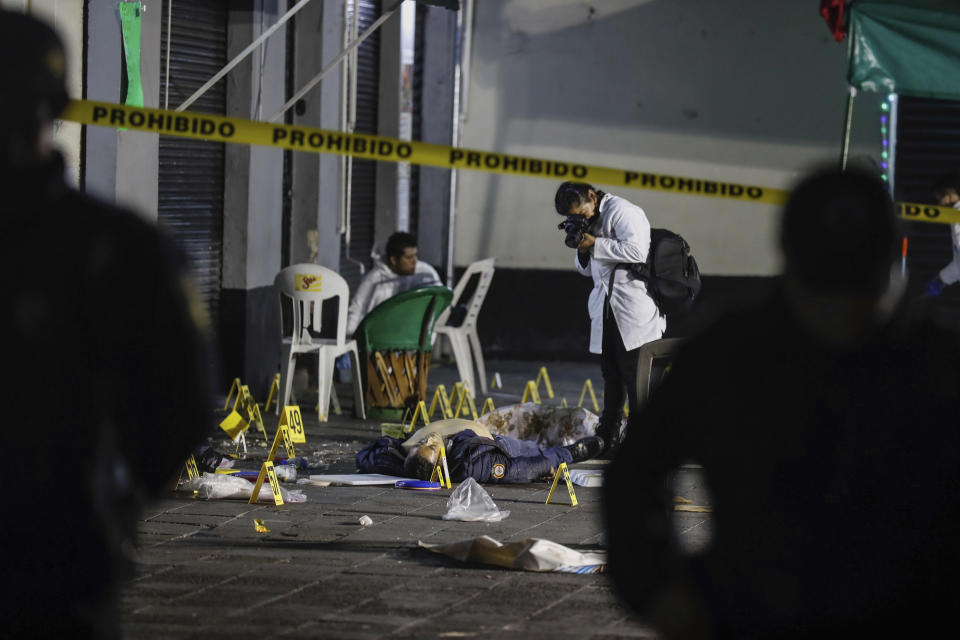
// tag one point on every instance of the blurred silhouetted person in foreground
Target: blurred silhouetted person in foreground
(826, 426)
(105, 390)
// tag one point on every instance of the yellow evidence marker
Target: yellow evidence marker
(192, 470)
(234, 388)
(421, 411)
(542, 375)
(496, 382)
(267, 471)
(530, 391)
(441, 471)
(283, 433)
(589, 386)
(294, 421)
(234, 425)
(465, 395)
(487, 403)
(274, 392)
(440, 395)
(566, 476)
(253, 412)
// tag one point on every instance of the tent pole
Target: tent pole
(847, 122)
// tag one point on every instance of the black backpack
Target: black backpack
(671, 272)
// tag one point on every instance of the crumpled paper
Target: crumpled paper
(532, 554)
(471, 503)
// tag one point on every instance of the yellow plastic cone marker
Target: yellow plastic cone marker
(589, 386)
(192, 471)
(542, 375)
(566, 476)
(274, 392)
(235, 387)
(530, 391)
(496, 382)
(259, 527)
(563, 402)
(267, 471)
(487, 403)
(294, 422)
(626, 408)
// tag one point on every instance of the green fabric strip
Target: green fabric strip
(130, 23)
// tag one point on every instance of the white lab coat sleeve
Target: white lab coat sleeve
(630, 237)
(582, 270)
(360, 303)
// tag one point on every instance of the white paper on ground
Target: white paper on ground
(532, 554)
(587, 477)
(356, 478)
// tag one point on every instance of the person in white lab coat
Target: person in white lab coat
(401, 271)
(623, 317)
(946, 190)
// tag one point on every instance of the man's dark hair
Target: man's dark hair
(571, 194)
(945, 183)
(398, 243)
(839, 232)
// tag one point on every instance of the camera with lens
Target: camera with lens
(575, 227)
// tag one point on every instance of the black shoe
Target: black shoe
(585, 448)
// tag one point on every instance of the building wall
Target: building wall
(750, 92)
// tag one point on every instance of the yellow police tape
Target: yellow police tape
(369, 147)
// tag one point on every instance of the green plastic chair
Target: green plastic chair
(400, 331)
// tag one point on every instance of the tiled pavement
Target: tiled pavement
(203, 571)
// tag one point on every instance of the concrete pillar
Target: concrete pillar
(121, 166)
(331, 174)
(253, 203)
(391, 208)
(439, 48)
(316, 178)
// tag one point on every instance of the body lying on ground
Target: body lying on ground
(472, 452)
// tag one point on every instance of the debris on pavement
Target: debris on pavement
(259, 527)
(365, 521)
(470, 502)
(356, 479)
(587, 477)
(532, 554)
(216, 486)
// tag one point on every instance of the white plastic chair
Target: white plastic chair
(302, 288)
(464, 338)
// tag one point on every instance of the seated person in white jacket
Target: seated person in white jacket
(401, 272)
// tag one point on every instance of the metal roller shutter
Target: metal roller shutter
(364, 183)
(928, 145)
(191, 171)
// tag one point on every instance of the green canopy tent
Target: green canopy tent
(907, 47)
